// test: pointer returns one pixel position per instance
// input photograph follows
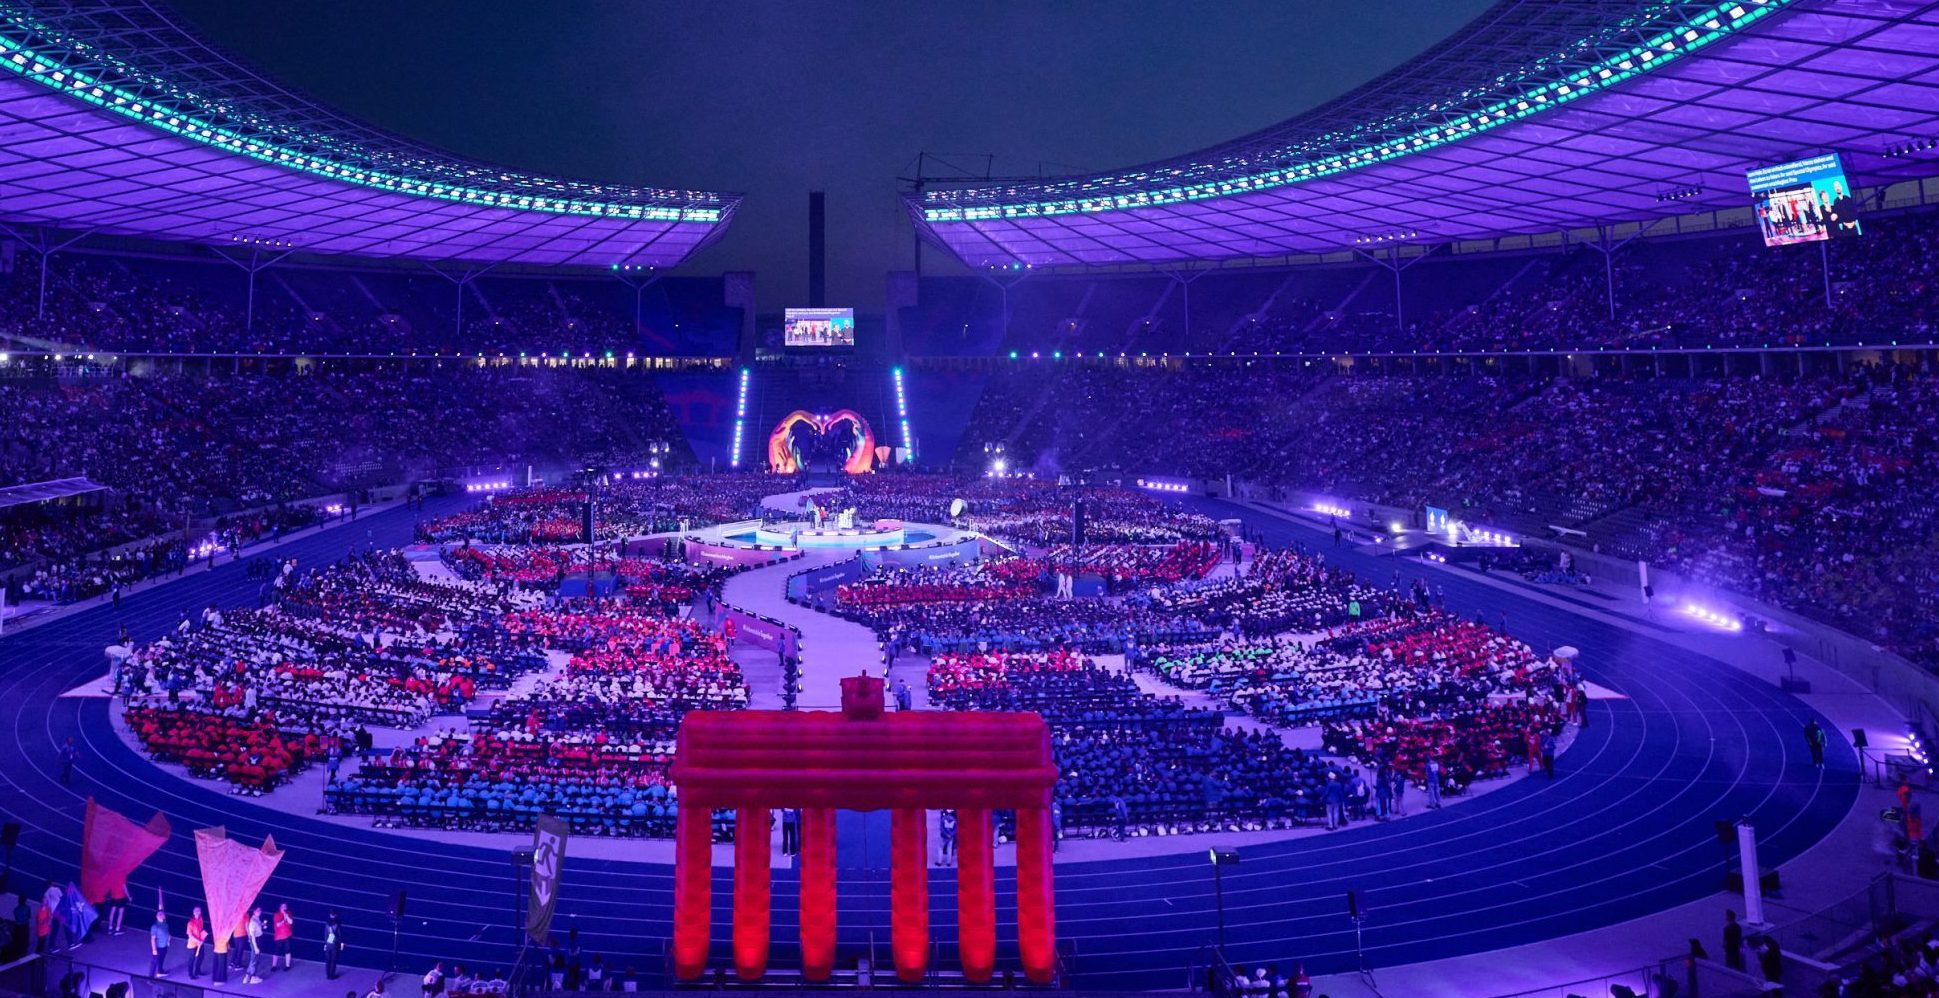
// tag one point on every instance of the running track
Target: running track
(1624, 831)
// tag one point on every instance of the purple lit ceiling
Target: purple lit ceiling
(69, 165)
(1853, 76)
(75, 160)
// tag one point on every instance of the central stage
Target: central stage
(754, 542)
(884, 533)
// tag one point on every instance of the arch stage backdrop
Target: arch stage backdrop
(864, 760)
(784, 457)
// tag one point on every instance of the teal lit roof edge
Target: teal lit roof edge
(86, 74)
(1709, 25)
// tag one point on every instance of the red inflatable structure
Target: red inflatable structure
(864, 760)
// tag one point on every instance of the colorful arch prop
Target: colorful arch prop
(784, 459)
(112, 847)
(233, 875)
(863, 760)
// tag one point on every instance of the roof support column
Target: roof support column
(1607, 244)
(43, 243)
(254, 264)
(1003, 288)
(1393, 262)
(463, 280)
(1824, 261)
(1185, 280)
(631, 276)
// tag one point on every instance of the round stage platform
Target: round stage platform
(788, 535)
(878, 536)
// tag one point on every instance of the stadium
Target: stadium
(1477, 535)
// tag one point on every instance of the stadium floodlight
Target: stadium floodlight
(1715, 618)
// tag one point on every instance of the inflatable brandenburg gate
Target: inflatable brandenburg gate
(862, 759)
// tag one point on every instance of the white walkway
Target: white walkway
(830, 647)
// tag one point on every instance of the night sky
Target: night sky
(775, 99)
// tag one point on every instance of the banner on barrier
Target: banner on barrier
(934, 554)
(548, 862)
(763, 633)
(699, 553)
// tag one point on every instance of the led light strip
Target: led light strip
(1708, 26)
(902, 413)
(197, 126)
(740, 422)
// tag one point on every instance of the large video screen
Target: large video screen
(1805, 201)
(819, 327)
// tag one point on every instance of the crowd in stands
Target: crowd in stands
(37, 532)
(244, 448)
(254, 695)
(980, 608)
(1836, 518)
(72, 571)
(1136, 563)
(1716, 290)
(645, 581)
(1134, 764)
(1905, 965)
(626, 507)
(203, 305)
(1278, 590)
(1811, 492)
(1394, 681)
(591, 746)
(992, 580)
(248, 695)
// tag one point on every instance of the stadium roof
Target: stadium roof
(1539, 116)
(114, 118)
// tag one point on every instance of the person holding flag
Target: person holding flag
(198, 938)
(76, 915)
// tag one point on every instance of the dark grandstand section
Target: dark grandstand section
(202, 303)
(1661, 290)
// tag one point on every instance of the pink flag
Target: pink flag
(232, 875)
(112, 847)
